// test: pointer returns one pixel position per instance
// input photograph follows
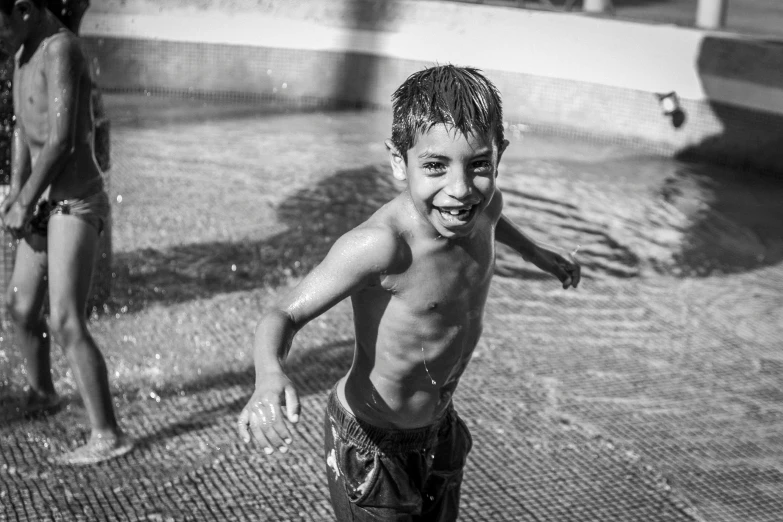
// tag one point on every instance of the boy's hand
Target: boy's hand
(568, 271)
(15, 218)
(6, 205)
(263, 414)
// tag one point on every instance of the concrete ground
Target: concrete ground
(654, 392)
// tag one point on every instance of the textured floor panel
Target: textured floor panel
(652, 393)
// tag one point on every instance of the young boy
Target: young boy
(56, 207)
(418, 272)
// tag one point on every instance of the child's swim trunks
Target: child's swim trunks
(93, 209)
(392, 474)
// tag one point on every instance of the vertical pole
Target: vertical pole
(596, 6)
(711, 14)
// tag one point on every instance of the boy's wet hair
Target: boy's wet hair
(457, 96)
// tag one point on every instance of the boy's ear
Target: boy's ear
(501, 148)
(25, 8)
(397, 162)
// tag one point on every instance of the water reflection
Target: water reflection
(637, 215)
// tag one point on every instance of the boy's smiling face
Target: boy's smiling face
(451, 177)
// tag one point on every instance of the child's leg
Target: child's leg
(72, 250)
(24, 300)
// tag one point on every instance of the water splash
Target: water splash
(425, 366)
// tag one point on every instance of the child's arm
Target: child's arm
(356, 259)
(20, 168)
(63, 66)
(567, 271)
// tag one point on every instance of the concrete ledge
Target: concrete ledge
(570, 72)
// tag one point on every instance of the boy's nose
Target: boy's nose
(459, 186)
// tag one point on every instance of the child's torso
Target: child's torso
(32, 106)
(416, 330)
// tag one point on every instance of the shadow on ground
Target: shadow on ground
(315, 217)
(736, 222)
(312, 371)
(729, 221)
(638, 215)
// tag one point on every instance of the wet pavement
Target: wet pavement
(654, 392)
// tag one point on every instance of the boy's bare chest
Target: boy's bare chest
(445, 276)
(31, 99)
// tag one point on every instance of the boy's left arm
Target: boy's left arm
(63, 63)
(20, 168)
(568, 271)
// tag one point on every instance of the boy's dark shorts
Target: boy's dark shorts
(93, 209)
(390, 474)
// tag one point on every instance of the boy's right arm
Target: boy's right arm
(356, 259)
(20, 168)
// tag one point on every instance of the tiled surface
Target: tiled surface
(651, 393)
(302, 79)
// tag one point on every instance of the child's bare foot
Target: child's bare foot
(98, 449)
(38, 403)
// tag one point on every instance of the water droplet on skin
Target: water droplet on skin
(425, 366)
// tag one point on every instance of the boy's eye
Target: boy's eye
(482, 165)
(433, 167)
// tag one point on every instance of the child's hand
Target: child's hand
(568, 271)
(6, 205)
(15, 218)
(263, 413)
